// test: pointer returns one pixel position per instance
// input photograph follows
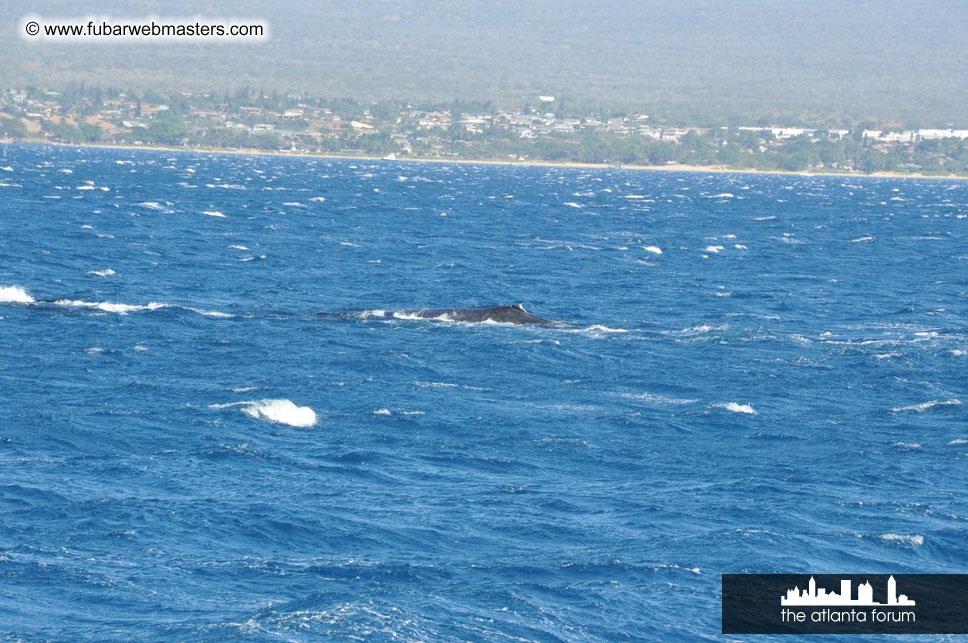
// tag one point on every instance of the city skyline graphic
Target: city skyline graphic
(812, 595)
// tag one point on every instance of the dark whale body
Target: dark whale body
(501, 314)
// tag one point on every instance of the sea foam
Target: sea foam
(737, 408)
(280, 411)
(109, 307)
(15, 294)
(924, 406)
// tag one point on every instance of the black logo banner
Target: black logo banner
(845, 604)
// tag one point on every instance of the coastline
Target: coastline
(701, 169)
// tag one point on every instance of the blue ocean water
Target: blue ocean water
(756, 374)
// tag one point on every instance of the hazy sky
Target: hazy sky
(883, 58)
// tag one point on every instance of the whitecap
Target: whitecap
(208, 313)
(107, 272)
(737, 408)
(15, 294)
(916, 539)
(318, 199)
(656, 250)
(573, 205)
(924, 406)
(959, 441)
(381, 411)
(238, 247)
(860, 239)
(598, 328)
(213, 213)
(658, 399)
(712, 249)
(109, 307)
(279, 411)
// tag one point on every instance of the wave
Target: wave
(280, 411)
(107, 272)
(656, 250)
(107, 306)
(658, 399)
(924, 406)
(15, 294)
(916, 539)
(598, 328)
(18, 295)
(737, 408)
(208, 313)
(213, 213)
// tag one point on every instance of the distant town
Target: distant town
(544, 129)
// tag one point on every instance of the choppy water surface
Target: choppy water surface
(756, 373)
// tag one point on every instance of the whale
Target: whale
(515, 314)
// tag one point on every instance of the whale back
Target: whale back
(512, 314)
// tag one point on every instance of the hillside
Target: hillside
(882, 60)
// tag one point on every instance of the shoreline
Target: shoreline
(677, 167)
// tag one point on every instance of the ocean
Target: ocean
(753, 373)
